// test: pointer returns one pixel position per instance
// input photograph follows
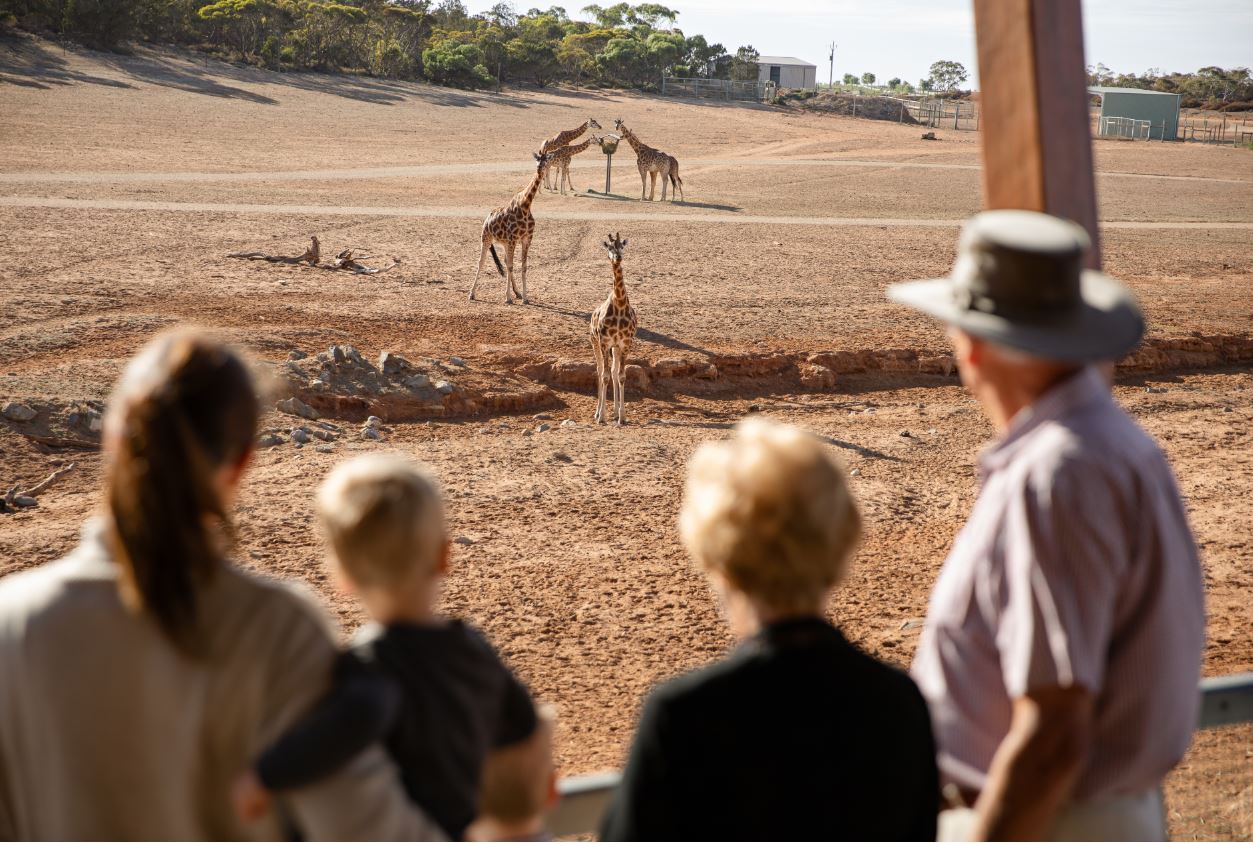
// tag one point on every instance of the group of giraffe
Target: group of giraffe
(613, 324)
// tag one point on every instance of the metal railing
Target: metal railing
(1226, 701)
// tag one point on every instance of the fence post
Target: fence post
(854, 105)
(663, 84)
(902, 118)
(956, 115)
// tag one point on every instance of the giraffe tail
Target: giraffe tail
(500, 267)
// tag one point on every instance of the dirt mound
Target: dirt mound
(849, 105)
(341, 383)
(56, 423)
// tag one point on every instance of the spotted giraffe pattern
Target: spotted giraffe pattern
(651, 163)
(559, 161)
(613, 328)
(513, 227)
(564, 138)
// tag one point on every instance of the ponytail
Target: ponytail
(185, 409)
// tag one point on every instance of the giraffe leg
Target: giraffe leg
(616, 365)
(526, 249)
(643, 183)
(602, 378)
(652, 185)
(487, 244)
(565, 171)
(665, 178)
(509, 249)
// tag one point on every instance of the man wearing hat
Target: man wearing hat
(1063, 641)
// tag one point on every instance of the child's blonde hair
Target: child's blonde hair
(517, 780)
(770, 511)
(384, 518)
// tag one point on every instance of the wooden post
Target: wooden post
(608, 173)
(1037, 145)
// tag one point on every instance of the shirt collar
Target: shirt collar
(1077, 391)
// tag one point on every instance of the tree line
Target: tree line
(621, 45)
(1210, 87)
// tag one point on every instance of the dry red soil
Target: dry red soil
(124, 181)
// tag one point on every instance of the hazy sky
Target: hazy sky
(902, 37)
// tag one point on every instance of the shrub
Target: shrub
(458, 65)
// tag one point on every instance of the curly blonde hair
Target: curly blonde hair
(383, 516)
(770, 511)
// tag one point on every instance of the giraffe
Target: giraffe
(562, 138)
(613, 331)
(676, 183)
(512, 226)
(559, 161)
(651, 162)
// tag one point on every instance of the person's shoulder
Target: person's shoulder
(890, 684)
(700, 687)
(285, 604)
(26, 593)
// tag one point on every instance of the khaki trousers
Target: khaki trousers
(1141, 816)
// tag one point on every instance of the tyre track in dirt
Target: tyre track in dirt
(454, 212)
(440, 170)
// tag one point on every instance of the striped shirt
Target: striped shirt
(1076, 567)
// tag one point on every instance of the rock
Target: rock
(463, 540)
(542, 416)
(635, 376)
(444, 387)
(324, 449)
(14, 411)
(457, 361)
(371, 433)
(543, 427)
(294, 406)
(25, 500)
(299, 435)
(352, 354)
(317, 384)
(418, 381)
(559, 456)
(912, 623)
(528, 432)
(906, 434)
(932, 432)
(484, 430)
(336, 353)
(393, 364)
(325, 436)
(296, 354)
(269, 440)
(95, 421)
(816, 376)
(373, 421)
(569, 423)
(754, 408)
(856, 472)
(929, 136)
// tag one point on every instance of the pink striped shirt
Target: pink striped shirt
(1076, 567)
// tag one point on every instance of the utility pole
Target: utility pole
(831, 72)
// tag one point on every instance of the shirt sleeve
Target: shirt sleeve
(517, 713)
(357, 711)
(1063, 556)
(644, 806)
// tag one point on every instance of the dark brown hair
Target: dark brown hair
(184, 409)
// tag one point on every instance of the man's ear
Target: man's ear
(445, 558)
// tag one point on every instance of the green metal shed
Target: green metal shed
(1136, 113)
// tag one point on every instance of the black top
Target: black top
(797, 735)
(440, 699)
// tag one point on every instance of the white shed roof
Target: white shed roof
(784, 60)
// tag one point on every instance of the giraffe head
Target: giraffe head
(620, 127)
(592, 124)
(615, 245)
(542, 159)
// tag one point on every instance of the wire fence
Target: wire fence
(722, 89)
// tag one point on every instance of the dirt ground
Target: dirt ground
(124, 181)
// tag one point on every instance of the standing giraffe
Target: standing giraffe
(651, 162)
(562, 138)
(512, 226)
(559, 161)
(613, 332)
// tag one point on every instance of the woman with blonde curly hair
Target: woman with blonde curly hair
(797, 734)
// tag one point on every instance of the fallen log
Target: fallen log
(311, 255)
(347, 262)
(14, 500)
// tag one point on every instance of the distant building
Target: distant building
(787, 72)
(1136, 113)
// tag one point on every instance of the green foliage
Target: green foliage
(894, 82)
(622, 44)
(850, 79)
(1209, 87)
(867, 78)
(946, 75)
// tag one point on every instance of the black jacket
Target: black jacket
(798, 735)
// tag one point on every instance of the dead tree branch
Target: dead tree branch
(311, 255)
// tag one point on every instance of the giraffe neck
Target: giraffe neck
(579, 147)
(525, 198)
(619, 287)
(632, 139)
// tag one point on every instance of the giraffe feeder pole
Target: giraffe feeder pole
(609, 145)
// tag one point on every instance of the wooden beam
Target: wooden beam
(1037, 144)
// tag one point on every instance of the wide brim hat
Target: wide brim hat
(1018, 281)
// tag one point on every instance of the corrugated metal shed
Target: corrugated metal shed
(1124, 111)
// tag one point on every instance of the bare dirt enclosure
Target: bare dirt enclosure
(126, 180)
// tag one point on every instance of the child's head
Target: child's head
(769, 513)
(384, 519)
(519, 784)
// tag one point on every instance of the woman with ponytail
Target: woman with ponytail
(140, 673)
